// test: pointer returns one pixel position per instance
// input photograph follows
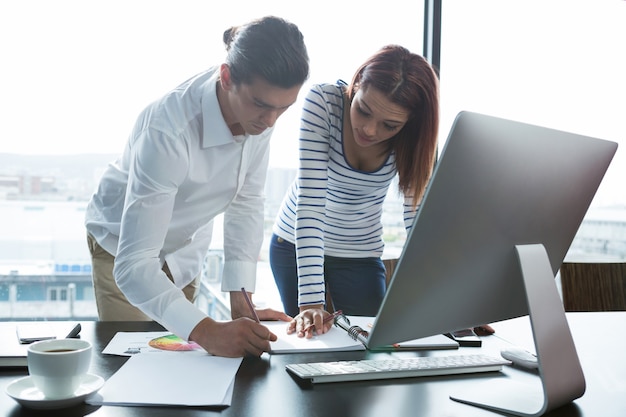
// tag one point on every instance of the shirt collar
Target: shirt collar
(215, 130)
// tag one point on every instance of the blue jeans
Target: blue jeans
(357, 285)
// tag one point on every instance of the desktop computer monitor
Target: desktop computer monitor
(498, 184)
(497, 219)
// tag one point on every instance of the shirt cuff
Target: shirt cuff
(238, 274)
(181, 317)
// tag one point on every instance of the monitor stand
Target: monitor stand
(560, 374)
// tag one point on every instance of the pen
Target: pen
(252, 310)
(326, 320)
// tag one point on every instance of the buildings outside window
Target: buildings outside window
(525, 60)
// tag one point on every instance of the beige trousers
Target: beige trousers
(111, 302)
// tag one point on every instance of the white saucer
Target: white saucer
(24, 392)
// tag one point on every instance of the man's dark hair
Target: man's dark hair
(271, 48)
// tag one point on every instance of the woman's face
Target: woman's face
(375, 118)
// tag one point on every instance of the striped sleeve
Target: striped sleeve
(318, 118)
(409, 214)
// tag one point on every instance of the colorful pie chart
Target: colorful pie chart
(172, 342)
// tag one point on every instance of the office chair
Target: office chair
(590, 286)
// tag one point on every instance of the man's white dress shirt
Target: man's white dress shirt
(180, 168)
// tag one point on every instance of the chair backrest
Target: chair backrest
(590, 286)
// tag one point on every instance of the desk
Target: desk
(264, 388)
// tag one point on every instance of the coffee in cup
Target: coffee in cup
(57, 366)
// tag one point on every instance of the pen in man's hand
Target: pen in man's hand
(326, 320)
(249, 302)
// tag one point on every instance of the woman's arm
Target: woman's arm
(318, 114)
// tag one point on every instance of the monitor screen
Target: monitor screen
(498, 183)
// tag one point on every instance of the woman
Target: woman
(354, 139)
(200, 150)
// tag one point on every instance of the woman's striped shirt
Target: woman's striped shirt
(331, 208)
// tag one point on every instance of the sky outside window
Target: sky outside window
(554, 63)
(76, 73)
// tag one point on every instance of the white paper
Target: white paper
(131, 343)
(338, 339)
(333, 341)
(191, 378)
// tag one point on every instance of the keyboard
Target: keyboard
(370, 369)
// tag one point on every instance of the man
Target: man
(199, 151)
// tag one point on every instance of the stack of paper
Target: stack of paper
(165, 370)
(171, 378)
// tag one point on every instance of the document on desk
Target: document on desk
(131, 343)
(192, 378)
(335, 340)
(338, 339)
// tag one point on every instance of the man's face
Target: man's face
(255, 107)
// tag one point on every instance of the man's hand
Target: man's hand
(237, 338)
(239, 308)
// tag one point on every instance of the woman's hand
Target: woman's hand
(239, 308)
(310, 319)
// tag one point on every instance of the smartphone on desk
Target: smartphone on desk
(466, 338)
(36, 331)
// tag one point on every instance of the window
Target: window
(76, 74)
(554, 63)
(57, 294)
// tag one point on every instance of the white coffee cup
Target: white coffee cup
(57, 366)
